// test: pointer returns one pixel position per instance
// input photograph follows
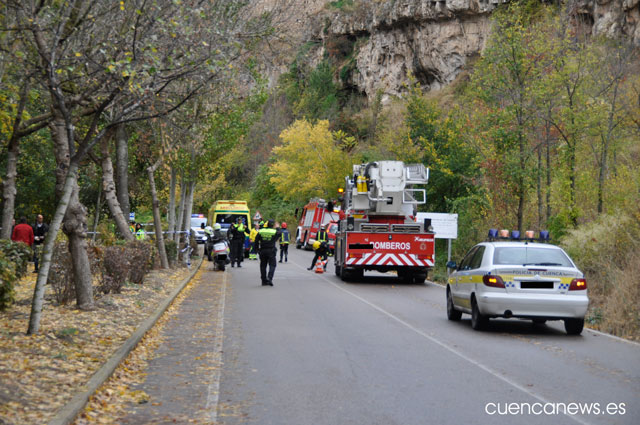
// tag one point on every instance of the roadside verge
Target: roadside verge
(68, 413)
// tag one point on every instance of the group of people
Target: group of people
(137, 230)
(264, 239)
(32, 236)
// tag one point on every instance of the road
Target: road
(316, 350)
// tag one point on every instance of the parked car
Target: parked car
(520, 279)
(197, 230)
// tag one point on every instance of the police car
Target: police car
(517, 278)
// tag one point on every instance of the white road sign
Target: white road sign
(444, 225)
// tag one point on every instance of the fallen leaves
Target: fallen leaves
(40, 373)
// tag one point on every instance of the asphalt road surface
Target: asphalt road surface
(315, 350)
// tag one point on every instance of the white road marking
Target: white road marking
(213, 395)
(447, 347)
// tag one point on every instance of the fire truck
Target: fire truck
(379, 230)
(315, 214)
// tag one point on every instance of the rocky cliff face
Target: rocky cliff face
(384, 41)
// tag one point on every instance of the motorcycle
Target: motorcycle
(218, 252)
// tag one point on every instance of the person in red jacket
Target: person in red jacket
(23, 232)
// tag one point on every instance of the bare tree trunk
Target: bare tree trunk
(9, 182)
(75, 227)
(188, 208)
(156, 218)
(75, 221)
(122, 170)
(96, 218)
(183, 197)
(9, 189)
(539, 187)
(47, 250)
(109, 188)
(172, 202)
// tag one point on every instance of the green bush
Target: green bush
(18, 253)
(7, 281)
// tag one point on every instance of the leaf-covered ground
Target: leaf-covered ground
(40, 373)
(122, 398)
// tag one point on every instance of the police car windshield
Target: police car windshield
(195, 221)
(528, 256)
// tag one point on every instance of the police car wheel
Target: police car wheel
(478, 320)
(452, 313)
(573, 326)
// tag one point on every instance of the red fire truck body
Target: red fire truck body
(314, 215)
(379, 231)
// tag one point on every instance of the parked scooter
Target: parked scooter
(217, 248)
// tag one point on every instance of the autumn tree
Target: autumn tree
(310, 162)
(97, 56)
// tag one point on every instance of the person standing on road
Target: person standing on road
(284, 242)
(40, 230)
(253, 254)
(322, 235)
(237, 235)
(266, 241)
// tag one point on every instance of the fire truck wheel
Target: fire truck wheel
(419, 278)
(338, 271)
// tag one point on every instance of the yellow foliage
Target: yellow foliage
(309, 162)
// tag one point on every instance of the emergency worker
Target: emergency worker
(266, 241)
(322, 250)
(285, 239)
(322, 235)
(253, 254)
(140, 234)
(237, 234)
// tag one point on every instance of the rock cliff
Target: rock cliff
(380, 42)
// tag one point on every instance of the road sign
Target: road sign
(444, 225)
(132, 216)
(257, 216)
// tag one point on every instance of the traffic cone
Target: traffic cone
(319, 266)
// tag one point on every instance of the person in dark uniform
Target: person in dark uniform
(265, 242)
(237, 234)
(322, 251)
(40, 230)
(284, 242)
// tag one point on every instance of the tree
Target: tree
(310, 162)
(503, 82)
(94, 56)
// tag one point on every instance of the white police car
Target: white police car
(522, 279)
(197, 228)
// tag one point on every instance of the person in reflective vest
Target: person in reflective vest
(321, 250)
(237, 234)
(322, 235)
(285, 238)
(253, 254)
(140, 234)
(266, 241)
